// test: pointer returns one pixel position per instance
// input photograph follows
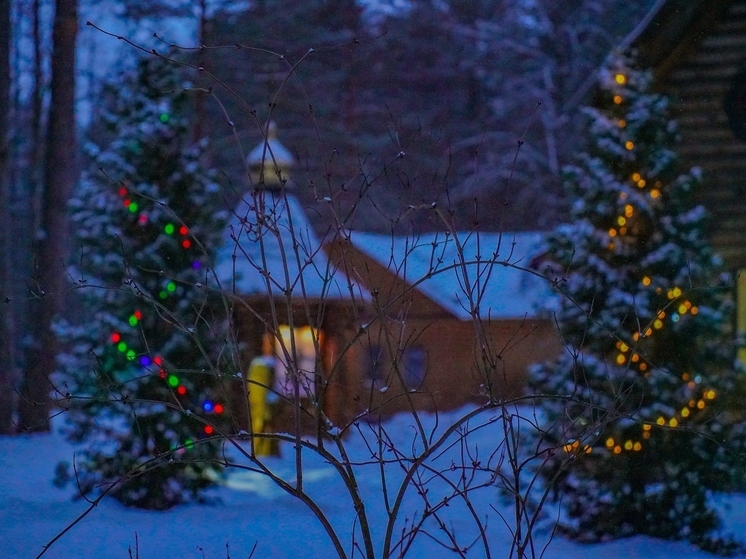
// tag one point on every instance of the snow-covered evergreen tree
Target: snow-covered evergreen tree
(637, 409)
(145, 397)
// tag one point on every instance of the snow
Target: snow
(253, 511)
(277, 251)
(431, 261)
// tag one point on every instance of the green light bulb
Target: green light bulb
(130, 355)
(173, 381)
(133, 320)
(163, 295)
(164, 117)
(121, 347)
(169, 229)
(133, 207)
(171, 287)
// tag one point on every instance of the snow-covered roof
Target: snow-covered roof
(269, 153)
(277, 252)
(493, 269)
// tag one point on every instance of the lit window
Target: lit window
(296, 353)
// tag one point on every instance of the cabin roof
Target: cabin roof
(278, 253)
(495, 266)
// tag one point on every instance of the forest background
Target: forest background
(479, 96)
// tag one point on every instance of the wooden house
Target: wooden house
(374, 323)
(452, 317)
(697, 50)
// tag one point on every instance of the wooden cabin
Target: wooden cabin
(374, 324)
(452, 317)
(697, 50)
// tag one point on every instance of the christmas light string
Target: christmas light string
(627, 355)
(169, 229)
(173, 381)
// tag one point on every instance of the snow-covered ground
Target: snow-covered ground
(252, 511)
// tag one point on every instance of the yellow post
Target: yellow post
(261, 380)
(741, 309)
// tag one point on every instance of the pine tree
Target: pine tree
(146, 399)
(637, 409)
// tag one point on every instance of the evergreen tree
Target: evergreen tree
(145, 399)
(637, 409)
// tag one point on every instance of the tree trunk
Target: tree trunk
(7, 375)
(60, 173)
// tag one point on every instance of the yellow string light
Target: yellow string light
(622, 123)
(636, 177)
(655, 193)
(621, 221)
(629, 144)
(620, 79)
(618, 99)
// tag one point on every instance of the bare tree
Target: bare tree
(50, 245)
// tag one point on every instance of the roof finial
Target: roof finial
(270, 162)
